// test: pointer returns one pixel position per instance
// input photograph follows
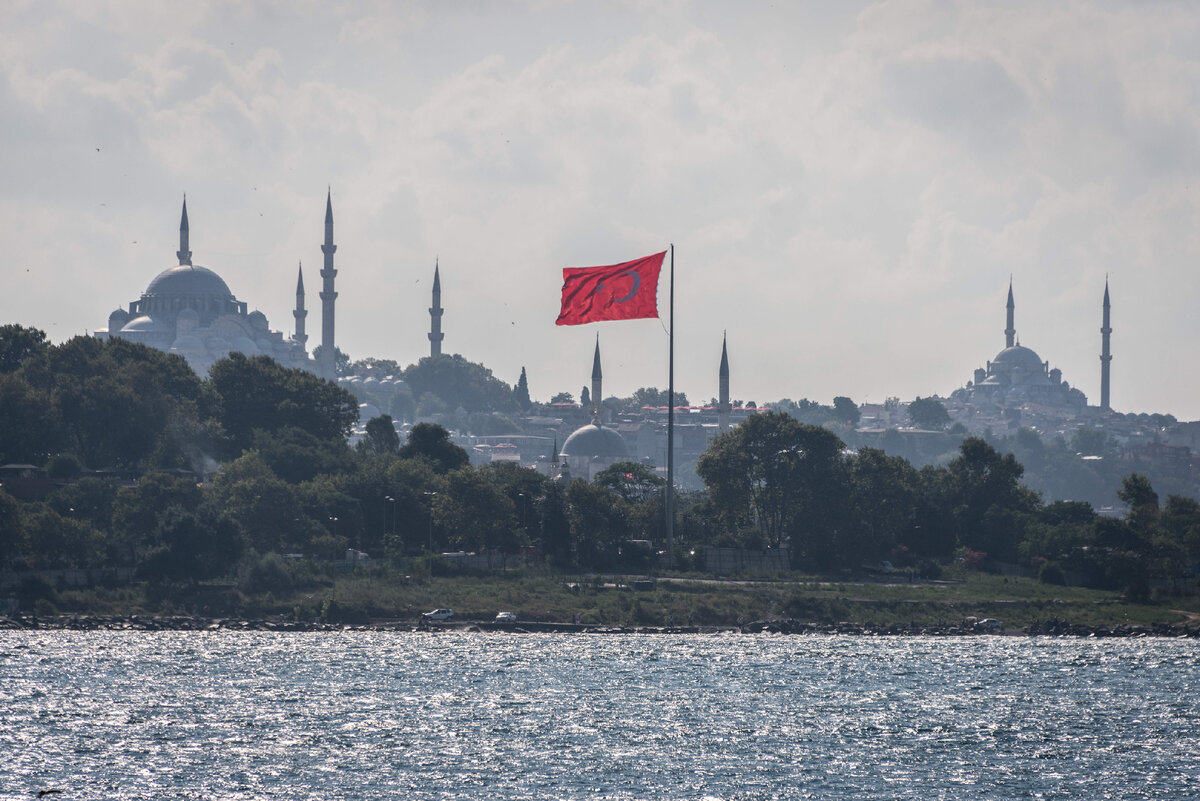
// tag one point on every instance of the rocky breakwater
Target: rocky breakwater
(1062, 628)
(184, 623)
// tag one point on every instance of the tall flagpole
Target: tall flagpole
(670, 496)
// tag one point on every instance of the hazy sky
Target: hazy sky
(848, 186)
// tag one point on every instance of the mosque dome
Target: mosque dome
(1019, 356)
(187, 281)
(144, 324)
(118, 319)
(595, 440)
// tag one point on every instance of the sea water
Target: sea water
(512, 716)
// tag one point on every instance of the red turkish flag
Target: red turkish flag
(626, 291)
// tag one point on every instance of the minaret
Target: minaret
(1010, 332)
(596, 381)
(326, 368)
(1105, 354)
(435, 315)
(300, 335)
(723, 407)
(185, 255)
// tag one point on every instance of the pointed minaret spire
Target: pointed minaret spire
(1105, 353)
(185, 255)
(327, 369)
(1010, 332)
(300, 335)
(597, 380)
(435, 314)
(723, 407)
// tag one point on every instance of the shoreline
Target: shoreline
(144, 623)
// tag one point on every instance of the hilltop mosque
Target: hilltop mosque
(1018, 375)
(189, 310)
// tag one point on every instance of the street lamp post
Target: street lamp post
(391, 507)
(430, 496)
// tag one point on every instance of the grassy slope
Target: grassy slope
(699, 600)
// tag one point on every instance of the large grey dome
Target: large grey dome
(595, 440)
(186, 281)
(1019, 356)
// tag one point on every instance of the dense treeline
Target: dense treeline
(279, 478)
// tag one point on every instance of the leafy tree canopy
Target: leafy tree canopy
(18, 343)
(341, 361)
(431, 442)
(459, 383)
(928, 413)
(258, 393)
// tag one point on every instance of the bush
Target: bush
(929, 569)
(334, 612)
(267, 573)
(1052, 573)
(43, 607)
(64, 466)
(35, 588)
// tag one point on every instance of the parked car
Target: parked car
(506, 617)
(439, 614)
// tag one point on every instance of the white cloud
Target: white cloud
(849, 188)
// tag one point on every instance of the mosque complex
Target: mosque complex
(189, 310)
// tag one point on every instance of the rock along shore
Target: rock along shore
(1057, 628)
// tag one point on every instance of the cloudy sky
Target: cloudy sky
(848, 186)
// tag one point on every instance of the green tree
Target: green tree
(54, 541)
(928, 413)
(18, 343)
(846, 410)
(264, 505)
(475, 513)
(341, 361)
(1093, 442)
(598, 524)
(521, 392)
(381, 438)
(136, 510)
(655, 397)
(30, 427)
(991, 507)
(64, 466)
(460, 383)
(258, 393)
(431, 442)
(778, 476)
(192, 547)
(562, 397)
(632, 481)
(11, 539)
(1142, 501)
(295, 455)
(883, 507)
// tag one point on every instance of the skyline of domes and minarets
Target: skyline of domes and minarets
(190, 310)
(1017, 374)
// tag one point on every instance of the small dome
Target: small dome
(257, 319)
(145, 323)
(117, 320)
(188, 282)
(595, 440)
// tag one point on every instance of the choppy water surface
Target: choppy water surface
(394, 715)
